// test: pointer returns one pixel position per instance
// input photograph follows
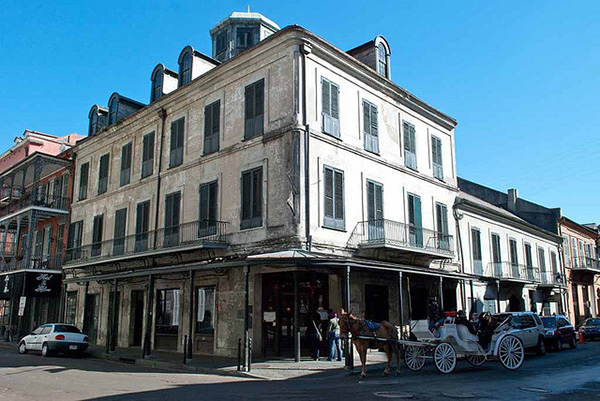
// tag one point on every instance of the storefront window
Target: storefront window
(205, 312)
(71, 307)
(4, 312)
(167, 315)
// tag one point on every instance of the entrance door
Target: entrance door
(91, 317)
(586, 301)
(576, 304)
(377, 307)
(137, 317)
(114, 329)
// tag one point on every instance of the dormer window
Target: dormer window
(113, 108)
(93, 128)
(245, 38)
(97, 117)
(157, 84)
(382, 60)
(185, 68)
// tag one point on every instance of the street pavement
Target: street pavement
(566, 375)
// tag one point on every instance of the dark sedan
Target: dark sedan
(590, 328)
(559, 331)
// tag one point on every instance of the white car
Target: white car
(55, 337)
(527, 326)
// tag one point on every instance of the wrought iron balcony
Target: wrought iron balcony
(392, 234)
(551, 278)
(511, 271)
(20, 262)
(14, 200)
(205, 233)
(587, 264)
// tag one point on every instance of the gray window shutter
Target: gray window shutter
(249, 112)
(371, 215)
(335, 106)
(339, 197)
(378, 202)
(366, 118)
(326, 97)
(329, 194)
(259, 107)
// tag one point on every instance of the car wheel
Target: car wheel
(22, 347)
(572, 343)
(45, 350)
(541, 347)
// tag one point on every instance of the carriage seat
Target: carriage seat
(464, 334)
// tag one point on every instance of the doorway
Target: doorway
(377, 307)
(90, 326)
(137, 318)
(114, 328)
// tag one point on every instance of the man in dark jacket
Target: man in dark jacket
(435, 315)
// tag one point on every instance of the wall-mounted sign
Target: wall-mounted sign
(22, 302)
(269, 317)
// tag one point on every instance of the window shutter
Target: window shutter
(374, 130)
(335, 107)
(212, 202)
(246, 195)
(378, 202)
(249, 113)
(417, 211)
(257, 193)
(366, 118)
(204, 202)
(371, 214)
(259, 107)
(339, 196)
(174, 135)
(329, 193)
(326, 97)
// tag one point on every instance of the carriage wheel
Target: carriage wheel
(444, 357)
(476, 360)
(511, 352)
(414, 357)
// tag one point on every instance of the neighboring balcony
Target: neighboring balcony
(587, 264)
(15, 200)
(508, 271)
(19, 262)
(196, 234)
(550, 278)
(405, 238)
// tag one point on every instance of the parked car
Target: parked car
(527, 326)
(55, 337)
(590, 328)
(559, 331)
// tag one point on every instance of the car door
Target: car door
(566, 330)
(31, 340)
(43, 336)
(530, 335)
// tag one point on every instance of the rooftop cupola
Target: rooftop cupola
(238, 32)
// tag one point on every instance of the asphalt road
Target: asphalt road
(570, 374)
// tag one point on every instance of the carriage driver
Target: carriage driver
(435, 315)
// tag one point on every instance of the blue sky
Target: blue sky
(522, 78)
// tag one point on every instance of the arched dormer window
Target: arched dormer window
(157, 83)
(383, 57)
(185, 66)
(97, 119)
(113, 109)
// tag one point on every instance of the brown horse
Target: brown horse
(386, 335)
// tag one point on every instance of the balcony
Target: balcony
(509, 271)
(196, 234)
(550, 278)
(392, 235)
(15, 200)
(587, 264)
(41, 263)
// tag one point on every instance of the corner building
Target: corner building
(287, 177)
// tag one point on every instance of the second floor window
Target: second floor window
(142, 226)
(436, 157)
(177, 138)
(442, 226)
(330, 107)
(370, 127)
(172, 209)
(415, 221)
(567, 251)
(148, 155)
(528, 256)
(103, 173)
(208, 209)
(514, 256)
(120, 232)
(574, 249)
(476, 250)
(542, 259)
(97, 235)
(84, 172)
(254, 101)
(252, 198)
(334, 198)
(125, 164)
(212, 117)
(496, 250)
(74, 240)
(553, 263)
(410, 145)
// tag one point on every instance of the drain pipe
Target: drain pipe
(306, 49)
(162, 113)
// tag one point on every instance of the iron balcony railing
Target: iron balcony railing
(31, 198)
(205, 232)
(8, 249)
(392, 233)
(509, 270)
(587, 263)
(42, 263)
(551, 278)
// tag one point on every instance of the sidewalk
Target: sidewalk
(280, 369)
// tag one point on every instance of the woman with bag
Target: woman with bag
(333, 334)
(314, 335)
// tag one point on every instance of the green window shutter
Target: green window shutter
(339, 196)
(329, 193)
(378, 202)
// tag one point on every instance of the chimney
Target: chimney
(513, 197)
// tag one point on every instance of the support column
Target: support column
(400, 305)
(246, 318)
(190, 318)
(296, 317)
(114, 336)
(347, 342)
(146, 347)
(28, 251)
(409, 308)
(84, 306)
(498, 296)
(472, 299)
(441, 292)
(61, 307)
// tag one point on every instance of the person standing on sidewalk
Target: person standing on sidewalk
(314, 335)
(333, 334)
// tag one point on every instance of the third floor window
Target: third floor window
(330, 105)
(103, 173)
(436, 157)
(177, 138)
(252, 198)
(125, 164)
(212, 117)
(84, 172)
(410, 145)
(370, 127)
(148, 155)
(254, 101)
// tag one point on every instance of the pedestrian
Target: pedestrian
(435, 315)
(315, 337)
(333, 334)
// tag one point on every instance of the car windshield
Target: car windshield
(549, 322)
(592, 322)
(65, 328)
(501, 317)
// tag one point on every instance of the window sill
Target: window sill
(440, 179)
(248, 228)
(411, 168)
(339, 137)
(372, 152)
(341, 230)
(245, 139)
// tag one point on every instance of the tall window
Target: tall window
(97, 235)
(382, 56)
(251, 198)
(496, 255)
(476, 250)
(208, 209)
(588, 254)
(125, 164)
(514, 258)
(71, 307)
(167, 311)
(205, 311)
(93, 127)
(566, 250)
(157, 85)
(254, 99)
(113, 110)
(177, 137)
(120, 231)
(581, 254)
(415, 221)
(330, 104)
(575, 255)
(211, 127)
(542, 259)
(4, 312)
(60, 239)
(148, 155)
(334, 198)
(84, 172)
(172, 209)
(436, 157)
(370, 121)
(103, 173)
(442, 226)
(142, 225)
(185, 69)
(221, 43)
(244, 38)
(376, 223)
(553, 263)
(410, 145)
(74, 240)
